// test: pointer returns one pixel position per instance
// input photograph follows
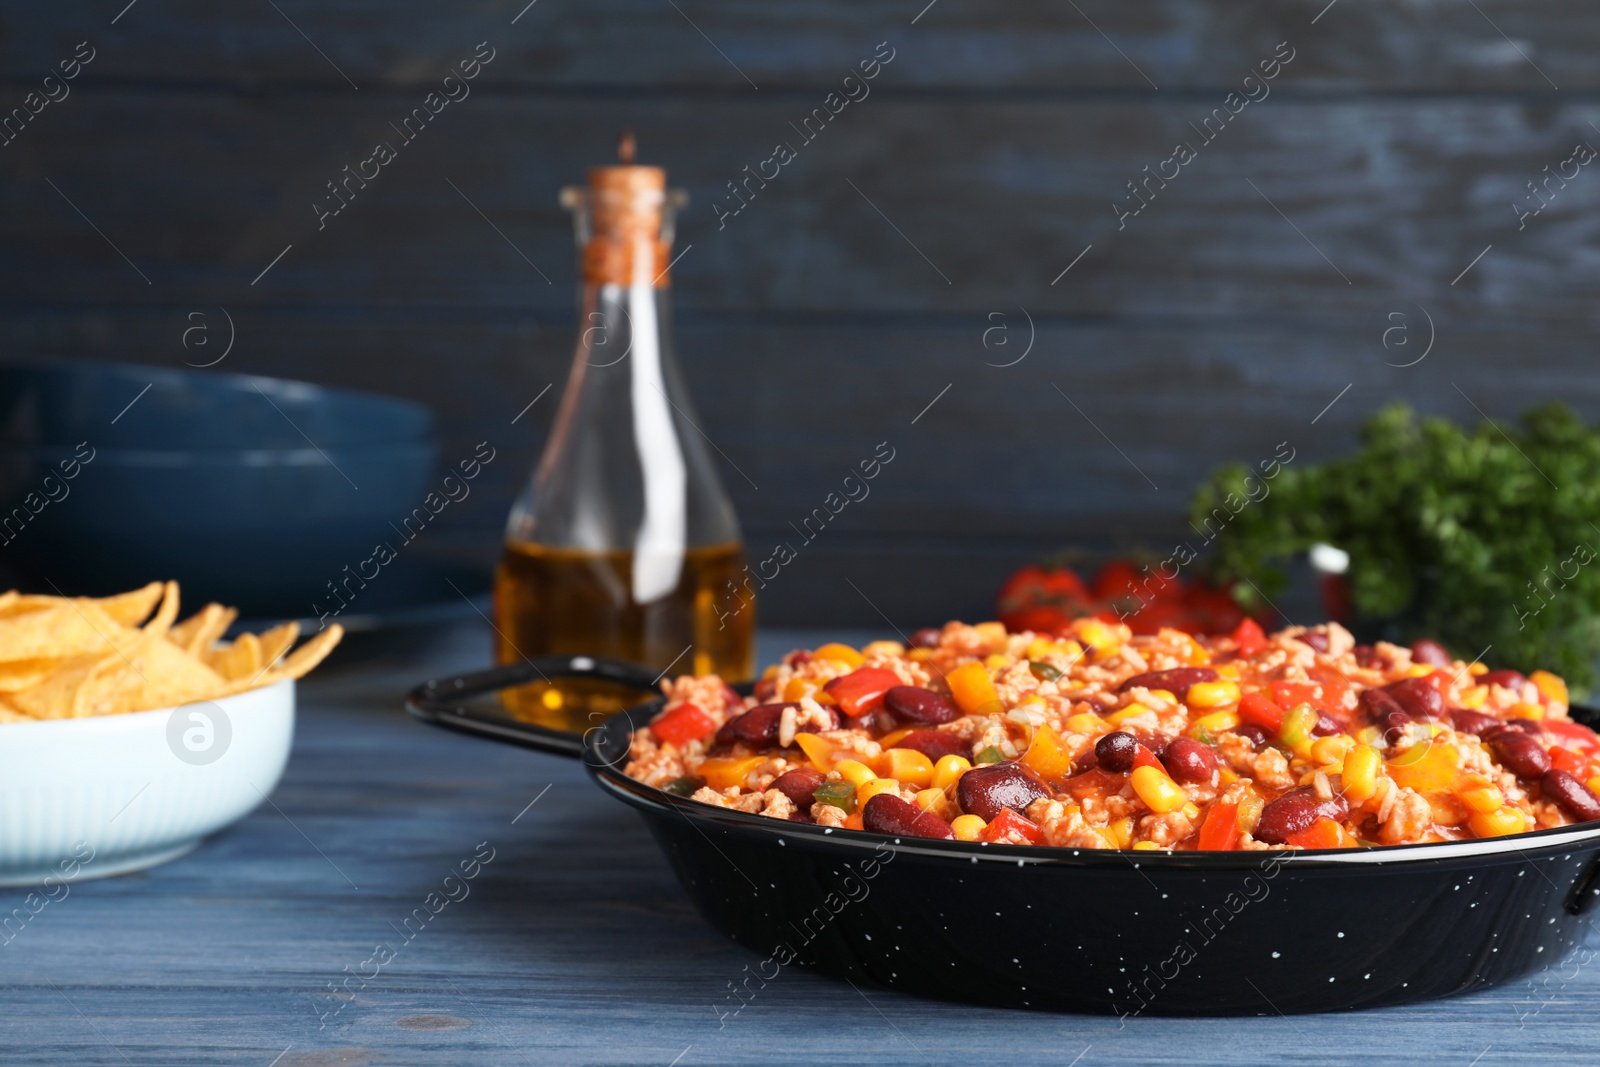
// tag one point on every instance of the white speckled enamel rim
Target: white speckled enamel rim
(88, 798)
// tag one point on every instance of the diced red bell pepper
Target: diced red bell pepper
(1249, 636)
(1574, 733)
(1334, 685)
(1293, 694)
(861, 691)
(1324, 833)
(1009, 823)
(1220, 831)
(683, 724)
(1261, 710)
(1143, 757)
(1564, 759)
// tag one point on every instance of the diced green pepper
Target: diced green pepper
(1043, 671)
(840, 794)
(682, 787)
(990, 755)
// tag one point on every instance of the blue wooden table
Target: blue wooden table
(569, 943)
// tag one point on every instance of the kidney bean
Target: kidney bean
(914, 704)
(1296, 810)
(1115, 752)
(927, 637)
(986, 791)
(1377, 703)
(1507, 678)
(1318, 642)
(1178, 680)
(1419, 699)
(1573, 796)
(798, 815)
(1256, 735)
(885, 814)
(757, 727)
(935, 744)
(1393, 724)
(1326, 726)
(1430, 652)
(1188, 760)
(1519, 753)
(765, 690)
(731, 700)
(1527, 726)
(1371, 658)
(1474, 722)
(876, 722)
(799, 785)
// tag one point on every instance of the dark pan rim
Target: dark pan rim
(649, 798)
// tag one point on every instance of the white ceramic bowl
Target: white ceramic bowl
(89, 798)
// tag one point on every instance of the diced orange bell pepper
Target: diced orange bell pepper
(1324, 833)
(1552, 689)
(683, 724)
(1047, 756)
(1249, 636)
(1220, 831)
(823, 754)
(1009, 823)
(973, 689)
(853, 822)
(1261, 710)
(838, 653)
(861, 691)
(906, 765)
(1427, 767)
(723, 774)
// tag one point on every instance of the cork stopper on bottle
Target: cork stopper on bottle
(625, 205)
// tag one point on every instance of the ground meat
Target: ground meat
(1165, 830)
(1408, 818)
(1270, 768)
(776, 805)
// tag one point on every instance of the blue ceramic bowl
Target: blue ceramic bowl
(256, 492)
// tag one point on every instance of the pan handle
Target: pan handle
(443, 701)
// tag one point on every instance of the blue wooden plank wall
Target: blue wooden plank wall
(1248, 194)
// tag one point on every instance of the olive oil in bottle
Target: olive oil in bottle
(623, 543)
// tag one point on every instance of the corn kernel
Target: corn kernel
(1474, 697)
(920, 655)
(1191, 811)
(996, 661)
(1371, 736)
(1212, 694)
(1527, 711)
(1419, 670)
(992, 632)
(949, 770)
(1165, 694)
(930, 800)
(1477, 668)
(868, 790)
(1097, 635)
(1031, 698)
(1117, 718)
(838, 653)
(1119, 832)
(1359, 778)
(1499, 823)
(855, 772)
(1085, 723)
(884, 648)
(1226, 776)
(968, 827)
(907, 765)
(1228, 670)
(1331, 749)
(1159, 793)
(1217, 721)
(1481, 797)
(1040, 647)
(1146, 846)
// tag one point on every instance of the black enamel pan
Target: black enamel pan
(1124, 932)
